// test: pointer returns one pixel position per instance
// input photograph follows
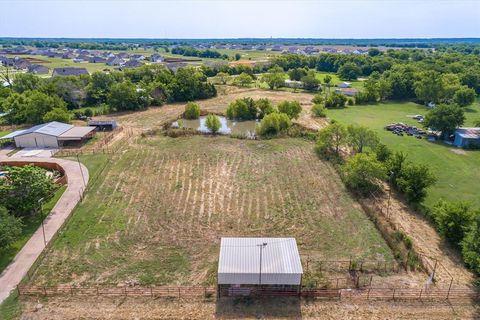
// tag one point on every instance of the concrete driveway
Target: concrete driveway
(34, 153)
(23, 261)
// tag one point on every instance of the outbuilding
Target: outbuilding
(49, 135)
(467, 138)
(248, 264)
(103, 125)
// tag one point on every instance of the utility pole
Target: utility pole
(263, 245)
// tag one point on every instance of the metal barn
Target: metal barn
(247, 264)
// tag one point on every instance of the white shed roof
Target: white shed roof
(239, 261)
(53, 128)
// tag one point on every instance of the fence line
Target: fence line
(393, 293)
(361, 265)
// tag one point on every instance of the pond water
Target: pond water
(227, 126)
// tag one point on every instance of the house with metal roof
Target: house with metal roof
(49, 135)
(248, 263)
(467, 137)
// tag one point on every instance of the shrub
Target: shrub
(273, 124)
(213, 123)
(331, 139)
(88, 112)
(192, 111)
(453, 220)
(471, 245)
(57, 114)
(318, 99)
(318, 110)
(414, 180)
(242, 109)
(335, 100)
(10, 228)
(290, 108)
(264, 107)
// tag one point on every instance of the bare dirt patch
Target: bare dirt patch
(138, 308)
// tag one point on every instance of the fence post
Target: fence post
(125, 291)
(179, 292)
(336, 286)
(449, 287)
(44, 291)
(368, 294)
(151, 291)
(434, 269)
(393, 294)
(420, 297)
(18, 289)
(97, 291)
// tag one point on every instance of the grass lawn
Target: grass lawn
(336, 80)
(31, 224)
(456, 169)
(157, 212)
(4, 133)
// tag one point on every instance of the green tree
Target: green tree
(243, 79)
(363, 173)
(297, 73)
(331, 139)
(453, 219)
(382, 152)
(290, 108)
(318, 99)
(10, 229)
(237, 56)
(310, 81)
(274, 79)
(414, 180)
(99, 86)
(23, 188)
(361, 136)
(124, 96)
(328, 82)
(430, 87)
(471, 245)
(192, 111)
(264, 107)
(464, 96)
(57, 114)
(319, 110)
(349, 71)
(445, 118)
(242, 109)
(26, 82)
(213, 123)
(273, 124)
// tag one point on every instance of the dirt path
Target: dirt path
(18, 268)
(428, 243)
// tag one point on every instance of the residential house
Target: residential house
(69, 72)
(132, 64)
(38, 69)
(97, 59)
(137, 57)
(156, 58)
(115, 61)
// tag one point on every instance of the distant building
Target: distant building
(156, 58)
(467, 137)
(347, 91)
(69, 72)
(344, 85)
(137, 57)
(103, 125)
(293, 84)
(115, 61)
(132, 64)
(38, 69)
(97, 60)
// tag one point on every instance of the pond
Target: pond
(246, 128)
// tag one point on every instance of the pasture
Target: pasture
(456, 169)
(157, 211)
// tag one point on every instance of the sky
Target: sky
(241, 19)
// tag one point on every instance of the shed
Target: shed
(250, 262)
(467, 138)
(103, 125)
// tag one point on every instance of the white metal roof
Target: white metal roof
(53, 128)
(76, 133)
(242, 256)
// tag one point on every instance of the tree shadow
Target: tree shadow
(259, 308)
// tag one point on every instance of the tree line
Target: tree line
(30, 99)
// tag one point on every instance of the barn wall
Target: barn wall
(253, 278)
(36, 140)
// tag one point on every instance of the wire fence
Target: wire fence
(352, 264)
(431, 294)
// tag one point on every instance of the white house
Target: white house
(49, 135)
(251, 262)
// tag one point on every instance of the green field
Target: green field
(31, 225)
(157, 212)
(457, 170)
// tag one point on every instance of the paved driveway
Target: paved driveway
(34, 153)
(23, 261)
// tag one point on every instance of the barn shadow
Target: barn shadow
(259, 308)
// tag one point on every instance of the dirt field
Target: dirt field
(157, 215)
(94, 308)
